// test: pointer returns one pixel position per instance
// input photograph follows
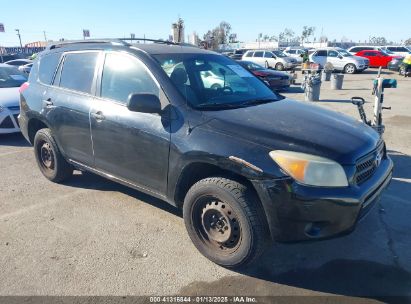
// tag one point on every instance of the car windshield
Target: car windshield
(11, 77)
(344, 53)
(279, 54)
(209, 81)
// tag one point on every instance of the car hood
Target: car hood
(296, 126)
(358, 58)
(9, 97)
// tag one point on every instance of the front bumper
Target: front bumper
(296, 212)
(291, 65)
(278, 83)
(8, 121)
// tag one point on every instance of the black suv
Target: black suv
(197, 130)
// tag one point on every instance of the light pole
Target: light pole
(45, 37)
(18, 34)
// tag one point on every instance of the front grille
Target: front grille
(16, 119)
(7, 123)
(367, 165)
(14, 108)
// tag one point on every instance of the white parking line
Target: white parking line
(42, 205)
(13, 152)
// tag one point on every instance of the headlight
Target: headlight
(310, 169)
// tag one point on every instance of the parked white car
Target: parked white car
(295, 53)
(398, 50)
(340, 59)
(10, 81)
(271, 59)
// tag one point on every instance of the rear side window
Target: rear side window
(321, 53)
(78, 71)
(258, 54)
(124, 75)
(47, 67)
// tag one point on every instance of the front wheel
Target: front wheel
(279, 66)
(350, 68)
(49, 159)
(224, 220)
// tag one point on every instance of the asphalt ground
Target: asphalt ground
(91, 236)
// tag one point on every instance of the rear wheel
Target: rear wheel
(224, 220)
(279, 66)
(350, 68)
(49, 159)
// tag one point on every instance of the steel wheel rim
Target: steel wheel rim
(46, 156)
(217, 225)
(350, 69)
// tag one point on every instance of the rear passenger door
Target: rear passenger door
(259, 58)
(132, 146)
(68, 104)
(320, 57)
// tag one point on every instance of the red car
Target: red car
(376, 58)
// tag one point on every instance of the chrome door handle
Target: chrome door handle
(98, 116)
(47, 102)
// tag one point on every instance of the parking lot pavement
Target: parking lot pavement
(94, 237)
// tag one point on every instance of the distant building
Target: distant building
(177, 31)
(36, 44)
(194, 39)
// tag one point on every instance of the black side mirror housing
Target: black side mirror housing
(144, 103)
(341, 57)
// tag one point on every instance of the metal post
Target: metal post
(18, 34)
(45, 37)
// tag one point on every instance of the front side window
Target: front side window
(268, 55)
(124, 75)
(208, 81)
(332, 53)
(47, 67)
(249, 54)
(78, 71)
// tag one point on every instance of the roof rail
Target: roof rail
(59, 44)
(147, 39)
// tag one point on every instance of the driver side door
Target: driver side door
(131, 146)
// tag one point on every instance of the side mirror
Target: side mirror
(144, 103)
(341, 57)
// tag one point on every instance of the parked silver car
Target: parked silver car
(271, 59)
(340, 59)
(296, 53)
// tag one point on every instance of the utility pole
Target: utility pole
(18, 34)
(45, 37)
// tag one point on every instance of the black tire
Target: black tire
(279, 66)
(350, 69)
(215, 86)
(49, 159)
(216, 205)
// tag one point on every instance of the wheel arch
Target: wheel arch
(34, 125)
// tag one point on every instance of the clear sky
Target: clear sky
(354, 19)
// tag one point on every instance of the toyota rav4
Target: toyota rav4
(245, 165)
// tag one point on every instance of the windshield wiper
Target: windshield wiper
(216, 105)
(257, 101)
